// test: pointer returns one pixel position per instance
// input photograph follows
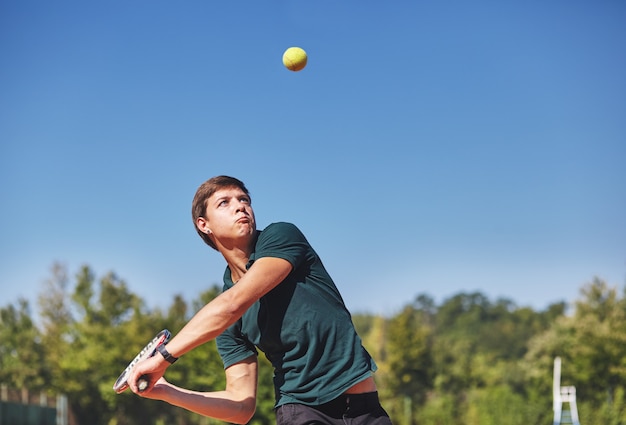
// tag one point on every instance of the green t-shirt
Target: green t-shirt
(302, 326)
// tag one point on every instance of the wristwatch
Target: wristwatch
(166, 354)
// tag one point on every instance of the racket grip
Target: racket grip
(142, 383)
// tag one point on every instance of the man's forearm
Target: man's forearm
(220, 405)
(209, 322)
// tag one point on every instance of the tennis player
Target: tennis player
(278, 298)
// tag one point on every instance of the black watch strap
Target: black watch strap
(166, 354)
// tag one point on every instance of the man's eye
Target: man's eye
(245, 200)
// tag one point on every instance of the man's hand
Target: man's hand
(151, 369)
(158, 391)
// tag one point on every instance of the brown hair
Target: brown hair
(204, 192)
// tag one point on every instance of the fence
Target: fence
(20, 407)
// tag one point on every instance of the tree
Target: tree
(56, 320)
(22, 357)
(599, 324)
(592, 344)
(409, 359)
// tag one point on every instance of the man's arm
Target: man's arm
(215, 317)
(236, 404)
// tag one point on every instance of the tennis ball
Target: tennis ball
(294, 59)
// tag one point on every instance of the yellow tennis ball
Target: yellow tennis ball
(294, 59)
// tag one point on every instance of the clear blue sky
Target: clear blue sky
(429, 147)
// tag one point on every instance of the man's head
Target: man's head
(204, 192)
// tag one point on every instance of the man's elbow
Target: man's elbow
(232, 307)
(246, 412)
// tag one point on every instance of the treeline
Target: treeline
(468, 361)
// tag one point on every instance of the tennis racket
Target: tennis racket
(148, 351)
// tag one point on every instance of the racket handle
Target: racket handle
(142, 383)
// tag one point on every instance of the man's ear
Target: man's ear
(203, 225)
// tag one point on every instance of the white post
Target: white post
(556, 387)
(62, 410)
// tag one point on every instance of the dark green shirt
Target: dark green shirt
(302, 326)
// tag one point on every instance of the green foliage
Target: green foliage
(89, 334)
(467, 361)
(409, 356)
(501, 405)
(440, 409)
(22, 356)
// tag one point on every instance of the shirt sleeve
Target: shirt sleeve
(233, 347)
(283, 240)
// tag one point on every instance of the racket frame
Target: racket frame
(121, 384)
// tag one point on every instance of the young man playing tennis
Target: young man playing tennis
(278, 298)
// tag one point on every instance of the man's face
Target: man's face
(229, 215)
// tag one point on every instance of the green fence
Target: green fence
(26, 414)
(21, 407)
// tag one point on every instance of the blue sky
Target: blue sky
(429, 147)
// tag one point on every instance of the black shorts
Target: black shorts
(348, 409)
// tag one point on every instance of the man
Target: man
(279, 298)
